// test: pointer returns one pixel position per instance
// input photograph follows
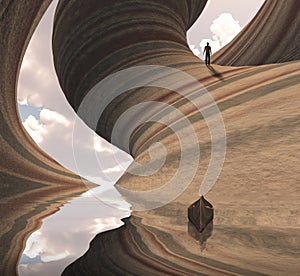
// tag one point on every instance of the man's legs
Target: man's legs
(207, 59)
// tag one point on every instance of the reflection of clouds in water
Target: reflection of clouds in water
(110, 196)
(65, 236)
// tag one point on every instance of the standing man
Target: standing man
(207, 51)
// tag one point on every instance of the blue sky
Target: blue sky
(25, 110)
(48, 117)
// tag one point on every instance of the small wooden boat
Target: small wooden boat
(201, 213)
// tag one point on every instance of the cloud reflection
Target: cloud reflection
(65, 236)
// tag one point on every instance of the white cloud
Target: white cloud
(114, 169)
(50, 125)
(38, 85)
(34, 128)
(95, 157)
(195, 50)
(101, 145)
(224, 28)
(52, 119)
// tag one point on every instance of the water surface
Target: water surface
(65, 236)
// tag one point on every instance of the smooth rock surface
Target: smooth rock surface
(256, 199)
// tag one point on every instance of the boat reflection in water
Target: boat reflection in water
(203, 236)
(65, 236)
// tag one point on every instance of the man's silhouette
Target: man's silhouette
(207, 51)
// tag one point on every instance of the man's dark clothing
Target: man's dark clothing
(207, 51)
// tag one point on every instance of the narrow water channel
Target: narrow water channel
(65, 236)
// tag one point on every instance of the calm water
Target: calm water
(65, 235)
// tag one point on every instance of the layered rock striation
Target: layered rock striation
(256, 199)
(272, 36)
(32, 184)
(106, 37)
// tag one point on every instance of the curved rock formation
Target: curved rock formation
(32, 185)
(88, 48)
(273, 36)
(256, 199)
